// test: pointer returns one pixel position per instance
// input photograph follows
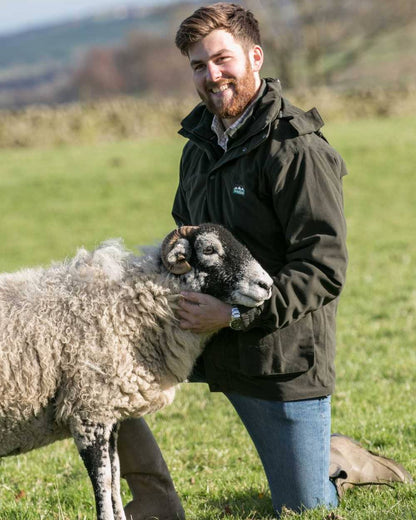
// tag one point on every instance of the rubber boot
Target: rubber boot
(352, 465)
(148, 477)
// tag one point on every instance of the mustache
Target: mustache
(218, 84)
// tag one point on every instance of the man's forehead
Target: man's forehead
(214, 44)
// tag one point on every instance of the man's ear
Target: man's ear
(256, 57)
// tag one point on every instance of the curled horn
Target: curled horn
(180, 265)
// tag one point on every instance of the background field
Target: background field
(54, 200)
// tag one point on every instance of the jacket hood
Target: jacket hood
(303, 122)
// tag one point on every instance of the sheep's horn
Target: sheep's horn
(180, 266)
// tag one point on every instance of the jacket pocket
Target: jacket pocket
(290, 350)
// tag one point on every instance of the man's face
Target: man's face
(225, 75)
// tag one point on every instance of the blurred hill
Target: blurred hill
(62, 42)
(38, 65)
(348, 46)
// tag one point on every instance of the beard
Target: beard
(243, 91)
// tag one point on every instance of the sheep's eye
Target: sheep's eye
(209, 250)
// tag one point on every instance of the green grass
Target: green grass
(54, 200)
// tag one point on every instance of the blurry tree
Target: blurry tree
(145, 64)
(369, 20)
(154, 65)
(300, 35)
(98, 75)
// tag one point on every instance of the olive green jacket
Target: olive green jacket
(278, 189)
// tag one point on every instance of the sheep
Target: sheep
(93, 340)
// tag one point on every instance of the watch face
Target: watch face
(235, 322)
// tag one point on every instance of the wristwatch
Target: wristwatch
(236, 322)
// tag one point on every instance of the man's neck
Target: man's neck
(226, 123)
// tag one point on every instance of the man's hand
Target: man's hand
(202, 313)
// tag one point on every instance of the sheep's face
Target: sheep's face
(209, 259)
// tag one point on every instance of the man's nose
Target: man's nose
(213, 72)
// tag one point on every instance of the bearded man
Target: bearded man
(262, 168)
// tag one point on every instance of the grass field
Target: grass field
(54, 200)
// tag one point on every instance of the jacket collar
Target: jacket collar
(270, 106)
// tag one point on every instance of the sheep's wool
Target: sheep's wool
(81, 341)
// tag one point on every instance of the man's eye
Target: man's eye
(209, 250)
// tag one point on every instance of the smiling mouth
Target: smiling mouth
(221, 88)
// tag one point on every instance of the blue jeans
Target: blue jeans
(293, 442)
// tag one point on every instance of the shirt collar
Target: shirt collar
(223, 134)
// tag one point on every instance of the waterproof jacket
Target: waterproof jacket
(278, 189)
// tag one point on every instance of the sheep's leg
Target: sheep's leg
(115, 475)
(93, 443)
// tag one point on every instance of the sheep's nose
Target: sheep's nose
(263, 285)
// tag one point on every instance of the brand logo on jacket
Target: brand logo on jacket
(239, 190)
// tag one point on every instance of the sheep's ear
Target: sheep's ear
(174, 254)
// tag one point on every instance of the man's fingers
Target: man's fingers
(194, 297)
(188, 306)
(202, 313)
(190, 318)
(183, 324)
(184, 314)
(191, 296)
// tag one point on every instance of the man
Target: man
(261, 167)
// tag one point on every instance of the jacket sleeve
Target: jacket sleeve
(308, 202)
(180, 211)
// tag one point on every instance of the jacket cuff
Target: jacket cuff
(260, 317)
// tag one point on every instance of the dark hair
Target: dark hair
(233, 18)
